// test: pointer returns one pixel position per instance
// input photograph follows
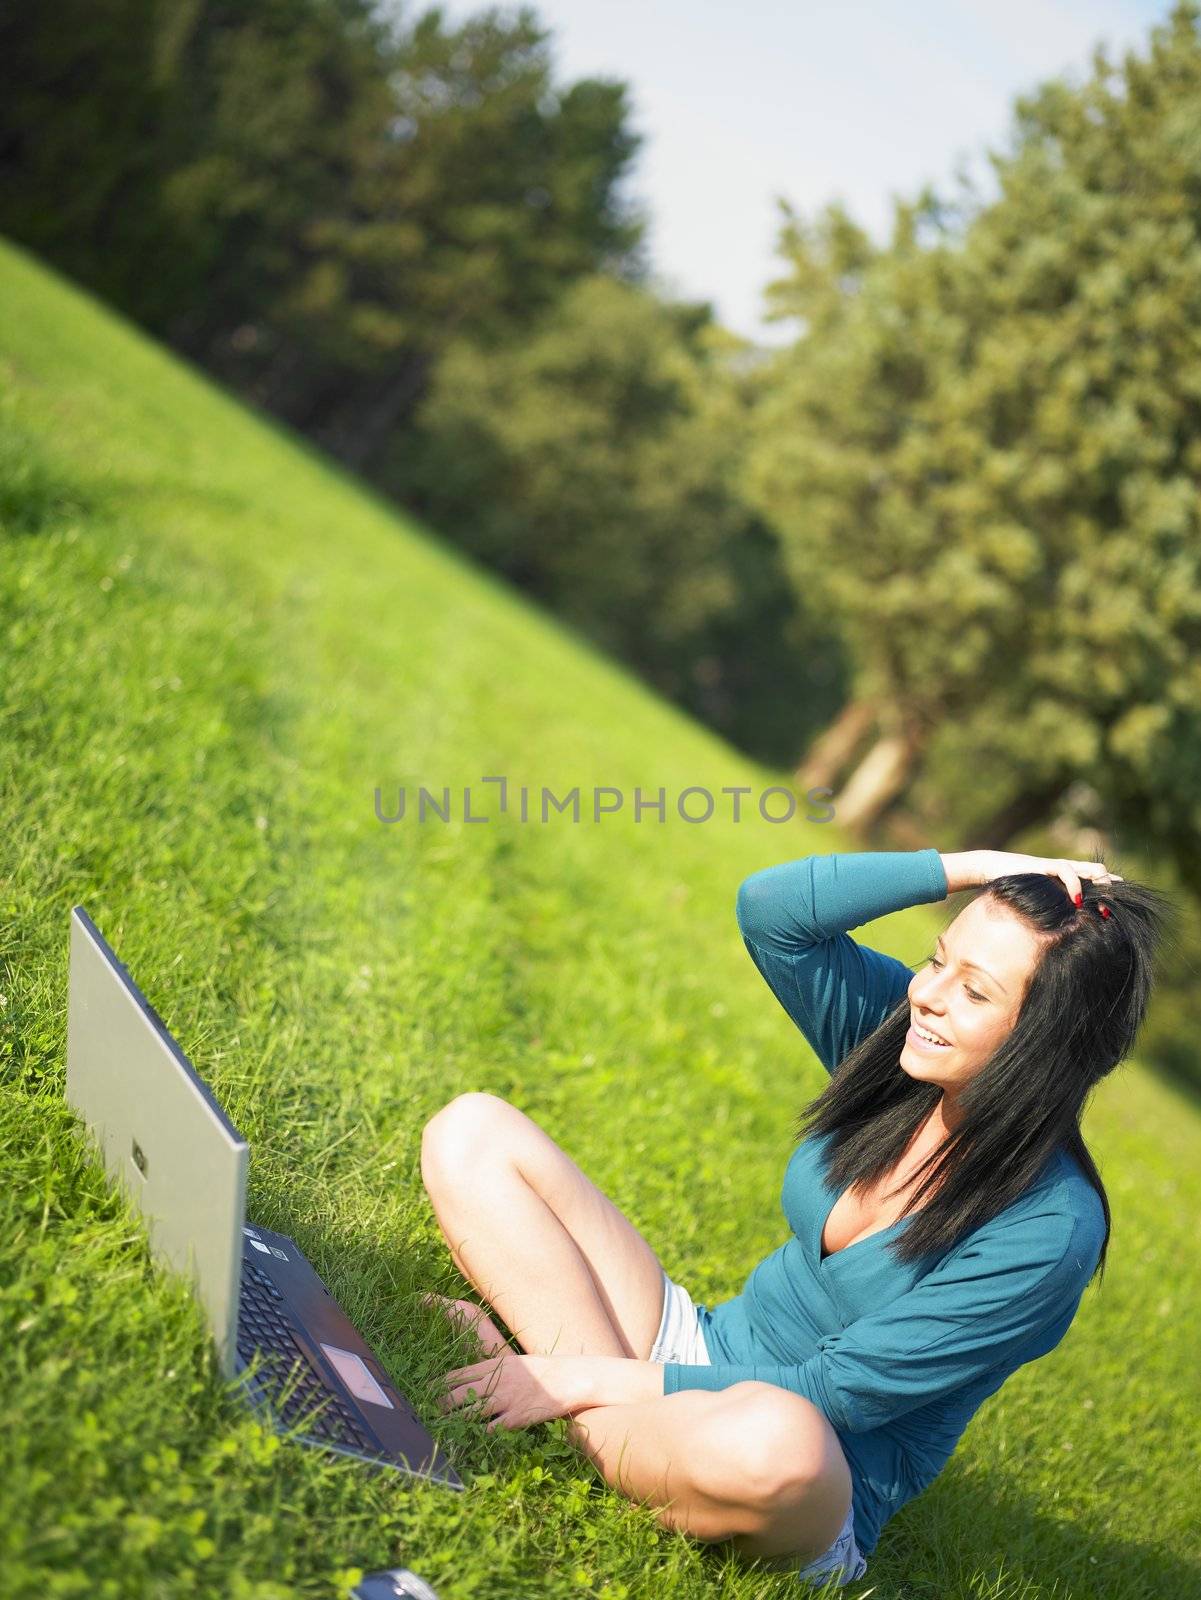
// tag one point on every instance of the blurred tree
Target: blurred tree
(81, 112)
(310, 197)
(983, 456)
(594, 464)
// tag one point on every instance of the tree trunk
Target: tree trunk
(899, 829)
(875, 783)
(1025, 810)
(279, 388)
(823, 763)
(358, 444)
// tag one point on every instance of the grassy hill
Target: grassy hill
(215, 646)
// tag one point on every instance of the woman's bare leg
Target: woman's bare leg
(548, 1250)
(752, 1463)
(568, 1272)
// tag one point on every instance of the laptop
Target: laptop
(170, 1147)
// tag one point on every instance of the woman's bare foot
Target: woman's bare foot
(463, 1313)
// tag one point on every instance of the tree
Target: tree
(307, 197)
(594, 465)
(983, 454)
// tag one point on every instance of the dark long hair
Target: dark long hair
(1084, 1004)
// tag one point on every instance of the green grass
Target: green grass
(215, 647)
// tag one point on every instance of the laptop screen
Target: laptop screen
(165, 1140)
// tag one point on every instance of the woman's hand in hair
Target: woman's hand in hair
(970, 868)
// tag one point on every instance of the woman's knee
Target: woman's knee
(461, 1133)
(768, 1446)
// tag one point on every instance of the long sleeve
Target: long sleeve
(985, 1309)
(793, 920)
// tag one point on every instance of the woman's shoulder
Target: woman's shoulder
(1073, 1191)
(1058, 1221)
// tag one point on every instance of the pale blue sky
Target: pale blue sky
(858, 99)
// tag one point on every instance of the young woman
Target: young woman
(945, 1213)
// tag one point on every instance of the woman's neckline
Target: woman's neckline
(824, 1255)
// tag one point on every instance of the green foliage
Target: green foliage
(594, 465)
(983, 455)
(201, 688)
(309, 198)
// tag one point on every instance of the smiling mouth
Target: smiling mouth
(932, 1042)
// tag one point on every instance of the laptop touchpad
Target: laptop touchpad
(356, 1375)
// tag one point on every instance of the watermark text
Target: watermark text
(536, 803)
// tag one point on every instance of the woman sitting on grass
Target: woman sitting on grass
(946, 1215)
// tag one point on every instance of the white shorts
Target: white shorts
(680, 1339)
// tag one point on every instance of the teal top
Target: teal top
(897, 1356)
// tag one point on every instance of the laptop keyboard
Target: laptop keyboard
(263, 1325)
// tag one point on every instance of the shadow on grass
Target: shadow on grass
(36, 494)
(946, 1543)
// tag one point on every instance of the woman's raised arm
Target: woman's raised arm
(793, 920)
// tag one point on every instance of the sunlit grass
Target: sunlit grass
(215, 647)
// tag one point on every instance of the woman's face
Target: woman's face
(969, 993)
